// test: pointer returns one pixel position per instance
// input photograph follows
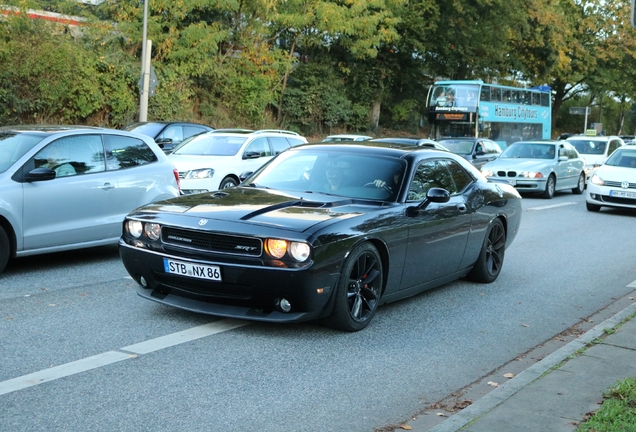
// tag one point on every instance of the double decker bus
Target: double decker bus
(505, 114)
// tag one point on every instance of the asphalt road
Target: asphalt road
(81, 352)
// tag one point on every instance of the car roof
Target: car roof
(243, 132)
(47, 129)
(592, 137)
(383, 148)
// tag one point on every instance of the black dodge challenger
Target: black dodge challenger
(324, 231)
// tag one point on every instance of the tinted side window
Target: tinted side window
(279, 144)
(461, 179)
(614, 144)
(174, 132)
(485, 94)
(125, 152)
(188, 131)
(80, 154)
(260, 146)
(296, 141)
(430, 174)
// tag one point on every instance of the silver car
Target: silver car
(69, 187)
(539, 166)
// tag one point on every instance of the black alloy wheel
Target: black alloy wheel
(359, 290)
(491, 256)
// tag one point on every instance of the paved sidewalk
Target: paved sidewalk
(556, 393)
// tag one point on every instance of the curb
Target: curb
(509, 388)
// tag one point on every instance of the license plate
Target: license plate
(200, 271)
(621, 194)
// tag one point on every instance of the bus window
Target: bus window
(505, 95)
(545, 99)
(485, 94)
(495, 94)
(527, 98)
(536, 98)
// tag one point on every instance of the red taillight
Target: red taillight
(176, 177)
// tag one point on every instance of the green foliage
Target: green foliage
(618, 412)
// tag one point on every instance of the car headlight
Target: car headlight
(152, 231)
(299, 251)
(277, 248)
(487, 173)
(531, 174)
(200, 173)
(134, 228)
(597, 180)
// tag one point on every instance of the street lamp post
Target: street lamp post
(143, 105)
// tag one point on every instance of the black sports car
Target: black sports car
(324, 231)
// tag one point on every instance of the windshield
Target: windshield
(333, 172)
(590, 147)
(13, 146)
(210, 145)
(623, 158)
(458, 146)
(529, 151)
(456, 95)
(148, 129)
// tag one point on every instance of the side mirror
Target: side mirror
(436, 195)
(245, 175)
(40, 174)
(563, 158)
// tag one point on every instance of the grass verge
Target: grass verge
(618, 411)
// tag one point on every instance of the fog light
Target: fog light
(284, 305)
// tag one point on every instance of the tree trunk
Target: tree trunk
(279, 115)
(375, 117)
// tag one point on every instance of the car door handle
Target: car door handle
(108, 186)
(462, 208)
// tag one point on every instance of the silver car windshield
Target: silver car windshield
(529, 151)
(13, 146)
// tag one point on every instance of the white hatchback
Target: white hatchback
(215, 160)
(614, 183)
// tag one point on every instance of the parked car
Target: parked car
(420, 142)
(70, 187)
(215, 160)
(477, 151)
(614, 183)
(313, 234)
(594, 150)
(540, 167)
(168, 134)
(346, 137)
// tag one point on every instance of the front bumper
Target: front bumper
(247, 291)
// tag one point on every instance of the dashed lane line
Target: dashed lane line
(110, 357)
(545, 207)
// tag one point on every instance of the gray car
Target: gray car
(477, 151)
(69, 187)
(539, 167)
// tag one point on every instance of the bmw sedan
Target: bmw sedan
(540, 167)
(614, 183)
(70, 187)
(324, 231)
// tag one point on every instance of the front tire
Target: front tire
(491, 256)
(580, 187)
(228, 182)
(550, 187)
(4, 249)
(592, 207)
(358, 291)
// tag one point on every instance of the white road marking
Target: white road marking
(551, 206)
(61, 371)
(184, 336)
(632, 285)
(111, 357)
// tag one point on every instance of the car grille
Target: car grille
(182, 174)
(619, 184)
(210, 242)
(617, 200)
(506, 173)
